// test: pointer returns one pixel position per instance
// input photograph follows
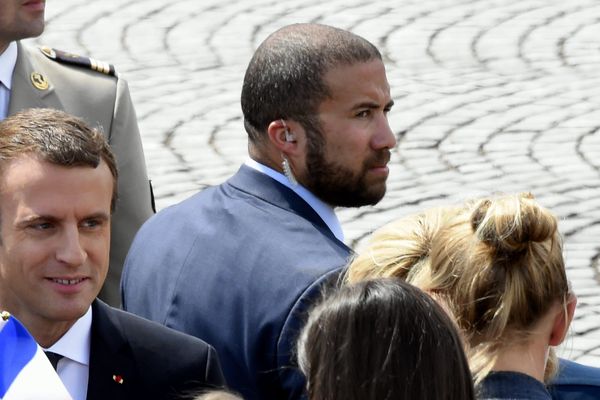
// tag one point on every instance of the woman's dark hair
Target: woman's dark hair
(382, 339)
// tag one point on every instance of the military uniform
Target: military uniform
(91, 90)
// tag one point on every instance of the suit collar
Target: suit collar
(324, 210)
(23, 93)
(110, 357)
(269, 190)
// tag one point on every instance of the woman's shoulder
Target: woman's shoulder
(504, 385)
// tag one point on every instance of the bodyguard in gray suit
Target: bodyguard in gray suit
(238, 264)
(90, 90)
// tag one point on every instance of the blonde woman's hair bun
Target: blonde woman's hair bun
(509, 224)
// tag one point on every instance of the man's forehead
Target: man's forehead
(35, 165)
(28, 176)
(24, 160)
(360, 82)
(23, 164)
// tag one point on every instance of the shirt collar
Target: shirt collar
(324, 210)
(75, 344)
(8, 60)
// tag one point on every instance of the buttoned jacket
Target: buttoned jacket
(132, 358)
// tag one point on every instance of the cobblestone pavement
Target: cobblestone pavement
(490, 96)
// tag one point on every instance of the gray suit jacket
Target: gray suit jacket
(102, 101)
(236, 265)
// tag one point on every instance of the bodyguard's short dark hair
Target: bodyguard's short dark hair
(382, 339)
(55, 137)
(285, 77)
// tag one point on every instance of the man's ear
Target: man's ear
(562, 321)
(282, 135)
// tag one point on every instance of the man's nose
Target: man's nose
(70, 250)
(384, 138)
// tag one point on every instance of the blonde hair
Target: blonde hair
(401, 249)
(496, 264)
(507, 256)
(217, 395)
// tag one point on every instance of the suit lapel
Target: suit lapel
(269, 190)
(23, 93)
(112, 369)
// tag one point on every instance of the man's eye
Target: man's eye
(41, 226)
(91, 223)
(363, 113)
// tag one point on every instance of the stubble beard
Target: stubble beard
(338, 185)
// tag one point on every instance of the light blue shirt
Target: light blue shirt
(8, 59)
(324, 210)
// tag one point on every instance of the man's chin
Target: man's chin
(373, 199)
(358, 199)
(339, 189)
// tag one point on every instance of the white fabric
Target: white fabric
(324, 210)
(74, 346)
(8, 59)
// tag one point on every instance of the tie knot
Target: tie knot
(54, 358)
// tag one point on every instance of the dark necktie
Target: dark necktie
(54, 358)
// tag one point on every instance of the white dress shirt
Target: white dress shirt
(324, 210)
(8, 59)
(74, 368)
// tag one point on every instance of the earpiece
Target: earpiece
(289, 136)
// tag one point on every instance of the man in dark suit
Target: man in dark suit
(238, 264)
(87, 88)
(58, 187)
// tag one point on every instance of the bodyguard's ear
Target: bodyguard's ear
(281, 135)
(562, 321)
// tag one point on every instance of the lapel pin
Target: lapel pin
(118, 379)
(48, 52)
(39, 81)
(5, 315)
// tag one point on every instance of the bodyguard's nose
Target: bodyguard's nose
(384, 138)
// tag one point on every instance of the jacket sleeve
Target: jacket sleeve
(290, 377)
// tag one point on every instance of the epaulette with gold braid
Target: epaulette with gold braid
(73, 59)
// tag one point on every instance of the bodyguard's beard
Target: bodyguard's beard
(340, 186)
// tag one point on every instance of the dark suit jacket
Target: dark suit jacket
(236, 265)
(575, 382)
(153, 362)
(102, 101)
